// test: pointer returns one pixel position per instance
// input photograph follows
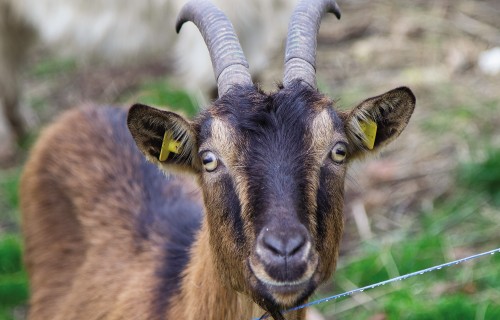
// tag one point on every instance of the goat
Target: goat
(249, 216)
(122, 32)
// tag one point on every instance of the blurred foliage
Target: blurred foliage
(9, 183)
(9, 200)
(470, 290)
(458, 306)
(459, 225)
(48, 68)
(13, 278)
(484, 175)
(160, 93)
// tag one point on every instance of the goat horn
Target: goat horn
(300, 53)
(228, 61)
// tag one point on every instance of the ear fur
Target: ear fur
(391, 112)
(148, 126)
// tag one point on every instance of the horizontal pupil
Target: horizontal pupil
(340, 152)
(207, 160)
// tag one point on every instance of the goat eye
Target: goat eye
(209, 161)
(339, 152)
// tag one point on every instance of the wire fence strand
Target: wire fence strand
(403, 277)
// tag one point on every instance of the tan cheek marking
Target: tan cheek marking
(319, 138)
(321, 132)
(322, 135)
(225, 140)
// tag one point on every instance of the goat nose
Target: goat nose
(277, 247)
(284, 254)
(283, 246)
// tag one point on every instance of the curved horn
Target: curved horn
(229, 62)
(300, 53)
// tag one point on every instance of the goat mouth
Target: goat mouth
(269, 282)
(281, 295)
(285, 293)
(283, 276)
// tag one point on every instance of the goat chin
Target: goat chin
(116, 31)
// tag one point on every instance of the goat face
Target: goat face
(272, 170)
(261, 195)
(271, 166)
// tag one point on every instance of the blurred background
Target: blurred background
(432, 197)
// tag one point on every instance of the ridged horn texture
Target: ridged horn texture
(300, 53)
(228, 61)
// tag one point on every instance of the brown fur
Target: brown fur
(69, 228)
(76, 248)
(81, 196)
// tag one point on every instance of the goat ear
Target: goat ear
(377, 121)
(164, 137)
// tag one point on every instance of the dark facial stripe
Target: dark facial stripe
(329, 197)
(233, 212)
(324, 205)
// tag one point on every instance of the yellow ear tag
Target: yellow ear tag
(168, 145)
(369, 128)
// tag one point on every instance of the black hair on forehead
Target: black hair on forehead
(275, 127)
(250, 111)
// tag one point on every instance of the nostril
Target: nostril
(294, 244)
(274, 244)
(285, 245)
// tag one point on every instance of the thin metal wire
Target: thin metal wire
(404, 277)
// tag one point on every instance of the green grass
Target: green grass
(9, 200)
(464, 289)
(460, 225)
(162, 94)
(53, 67)
(13, 278)
(9, 183)
(484, 175)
